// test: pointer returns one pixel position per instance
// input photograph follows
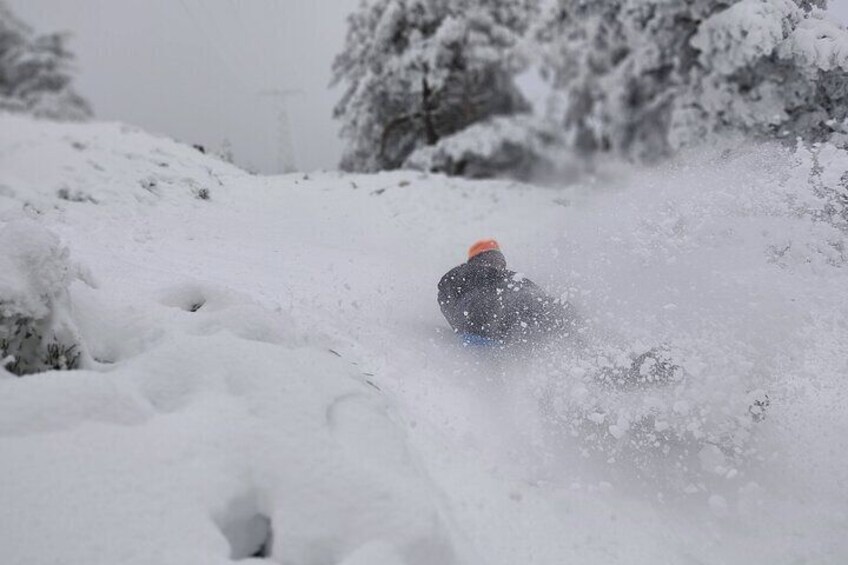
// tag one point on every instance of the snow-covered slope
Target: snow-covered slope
(266, 354)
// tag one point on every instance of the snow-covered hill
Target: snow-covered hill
(265, 354)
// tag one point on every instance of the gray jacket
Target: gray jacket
(484, 298)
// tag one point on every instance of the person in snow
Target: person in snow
(490, 305)
(486, 303)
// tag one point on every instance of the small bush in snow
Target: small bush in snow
(24, 351)
(36, 330)
(65, 193)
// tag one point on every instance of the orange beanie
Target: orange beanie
(483, 245)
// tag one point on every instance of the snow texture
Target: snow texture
(271, 380)
(644, 78)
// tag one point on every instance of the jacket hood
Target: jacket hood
(491, 258)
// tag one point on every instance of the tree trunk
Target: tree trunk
(427, 112)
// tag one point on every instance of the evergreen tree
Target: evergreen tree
(419, 70)
(646, 77)
(35, 72)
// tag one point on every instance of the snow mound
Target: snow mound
(44, 165)
(206, 426)
(214, 446)
(317, 454)
(37, 331)
(35, 270)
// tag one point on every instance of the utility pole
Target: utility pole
(285, 147)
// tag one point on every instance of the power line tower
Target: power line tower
(285, 147)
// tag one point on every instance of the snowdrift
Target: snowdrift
(266, 376)
(204, 428)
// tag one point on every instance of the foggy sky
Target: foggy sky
(193, 69)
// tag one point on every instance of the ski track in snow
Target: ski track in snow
(198, 429)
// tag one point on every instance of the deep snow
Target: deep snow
(316, 388)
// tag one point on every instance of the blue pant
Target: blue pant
(474, 340)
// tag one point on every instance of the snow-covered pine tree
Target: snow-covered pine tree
(419, 70)
(35, 72)
(646, 77)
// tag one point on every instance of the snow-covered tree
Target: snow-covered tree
(520, 147)
(419, 70)
(646, 77)
(35, 72)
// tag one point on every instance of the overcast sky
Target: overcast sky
(193, 69)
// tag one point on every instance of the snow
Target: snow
(820, 42)
(34, 269)
(743, 33)
(271, 361)
(519, 146)
(751, 29)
